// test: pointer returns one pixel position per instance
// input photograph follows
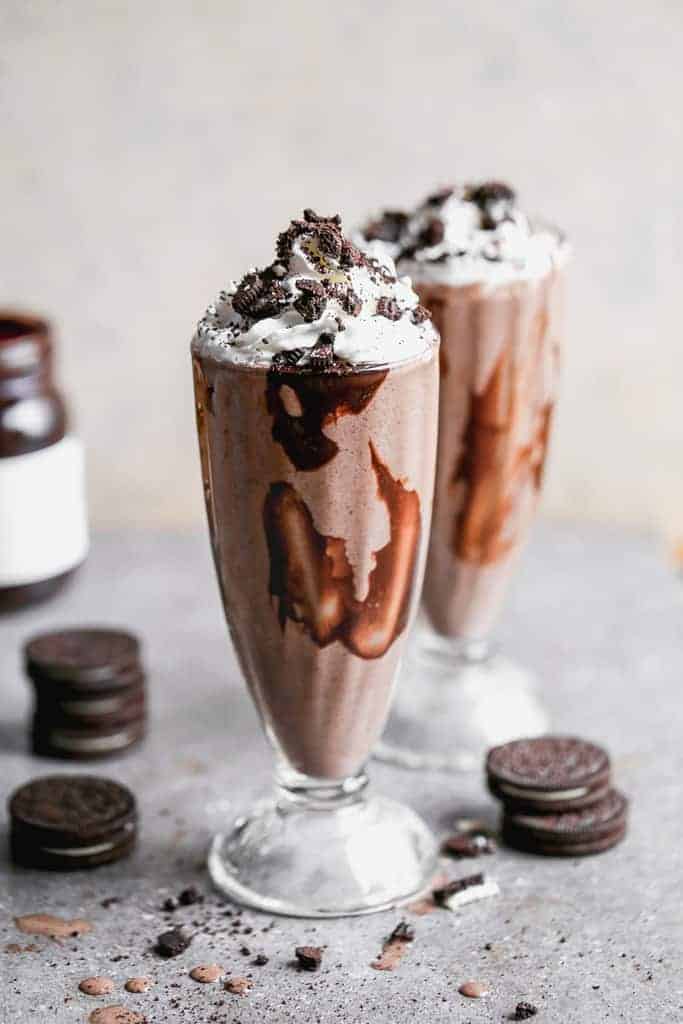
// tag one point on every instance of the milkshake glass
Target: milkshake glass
(493, 281)
(316, 384)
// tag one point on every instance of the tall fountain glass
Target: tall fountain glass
(318, 490)
(500, 350)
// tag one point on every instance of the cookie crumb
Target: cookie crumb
(207, 974)
(525, 1010)
(173, 942)
(473, 989)
(188, 897)
(97, 986)
(138, 985)
(309, 957)
(238, 986)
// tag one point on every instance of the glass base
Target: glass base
(454, 701)
(331, 853)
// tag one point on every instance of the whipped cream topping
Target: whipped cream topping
(322, 304)
(466, 235)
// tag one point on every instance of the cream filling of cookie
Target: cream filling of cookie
(103, 706)
(78, 851)
(91, 744)
(543, 794)
(87, 851)
(474, 892)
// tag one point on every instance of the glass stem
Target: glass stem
(471, 651)
(463, 650)
(303, 792)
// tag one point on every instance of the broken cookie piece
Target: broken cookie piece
(462, 891)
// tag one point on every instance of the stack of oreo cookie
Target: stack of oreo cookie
(557, 796)
(90, 693)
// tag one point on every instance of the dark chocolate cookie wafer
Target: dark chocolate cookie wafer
(572, 834)
(548, 774)
(87, 657)
(63, 822)
(46, 687)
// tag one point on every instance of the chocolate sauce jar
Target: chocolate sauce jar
(43, 523)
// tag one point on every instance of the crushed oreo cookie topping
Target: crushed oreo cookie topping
(465, 234)
(387, 228)
(312, 299)
(388, 308)
(496, 201)
(259, 296)
(433, 233)
(439, 197)
(322, 305)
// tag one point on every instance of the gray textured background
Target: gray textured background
(151, 150)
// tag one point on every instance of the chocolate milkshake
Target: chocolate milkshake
(316, 383)
(493, 281)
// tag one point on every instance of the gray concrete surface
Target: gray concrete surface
(597, 613)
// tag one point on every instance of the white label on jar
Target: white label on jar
(43, 523)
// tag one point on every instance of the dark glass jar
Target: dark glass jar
(43, 528)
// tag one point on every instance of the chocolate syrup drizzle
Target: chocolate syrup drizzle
(313, 580)
(204, 396)
(323, 399)
(491, 477)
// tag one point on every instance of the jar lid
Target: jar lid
(24, 343)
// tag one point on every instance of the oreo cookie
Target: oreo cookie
(66, 822)
(90, 693)
(89, 657)
(571, 834)
(548, 774)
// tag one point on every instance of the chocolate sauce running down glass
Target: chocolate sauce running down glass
(499, 368)
(318, 476)
(493, 282)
